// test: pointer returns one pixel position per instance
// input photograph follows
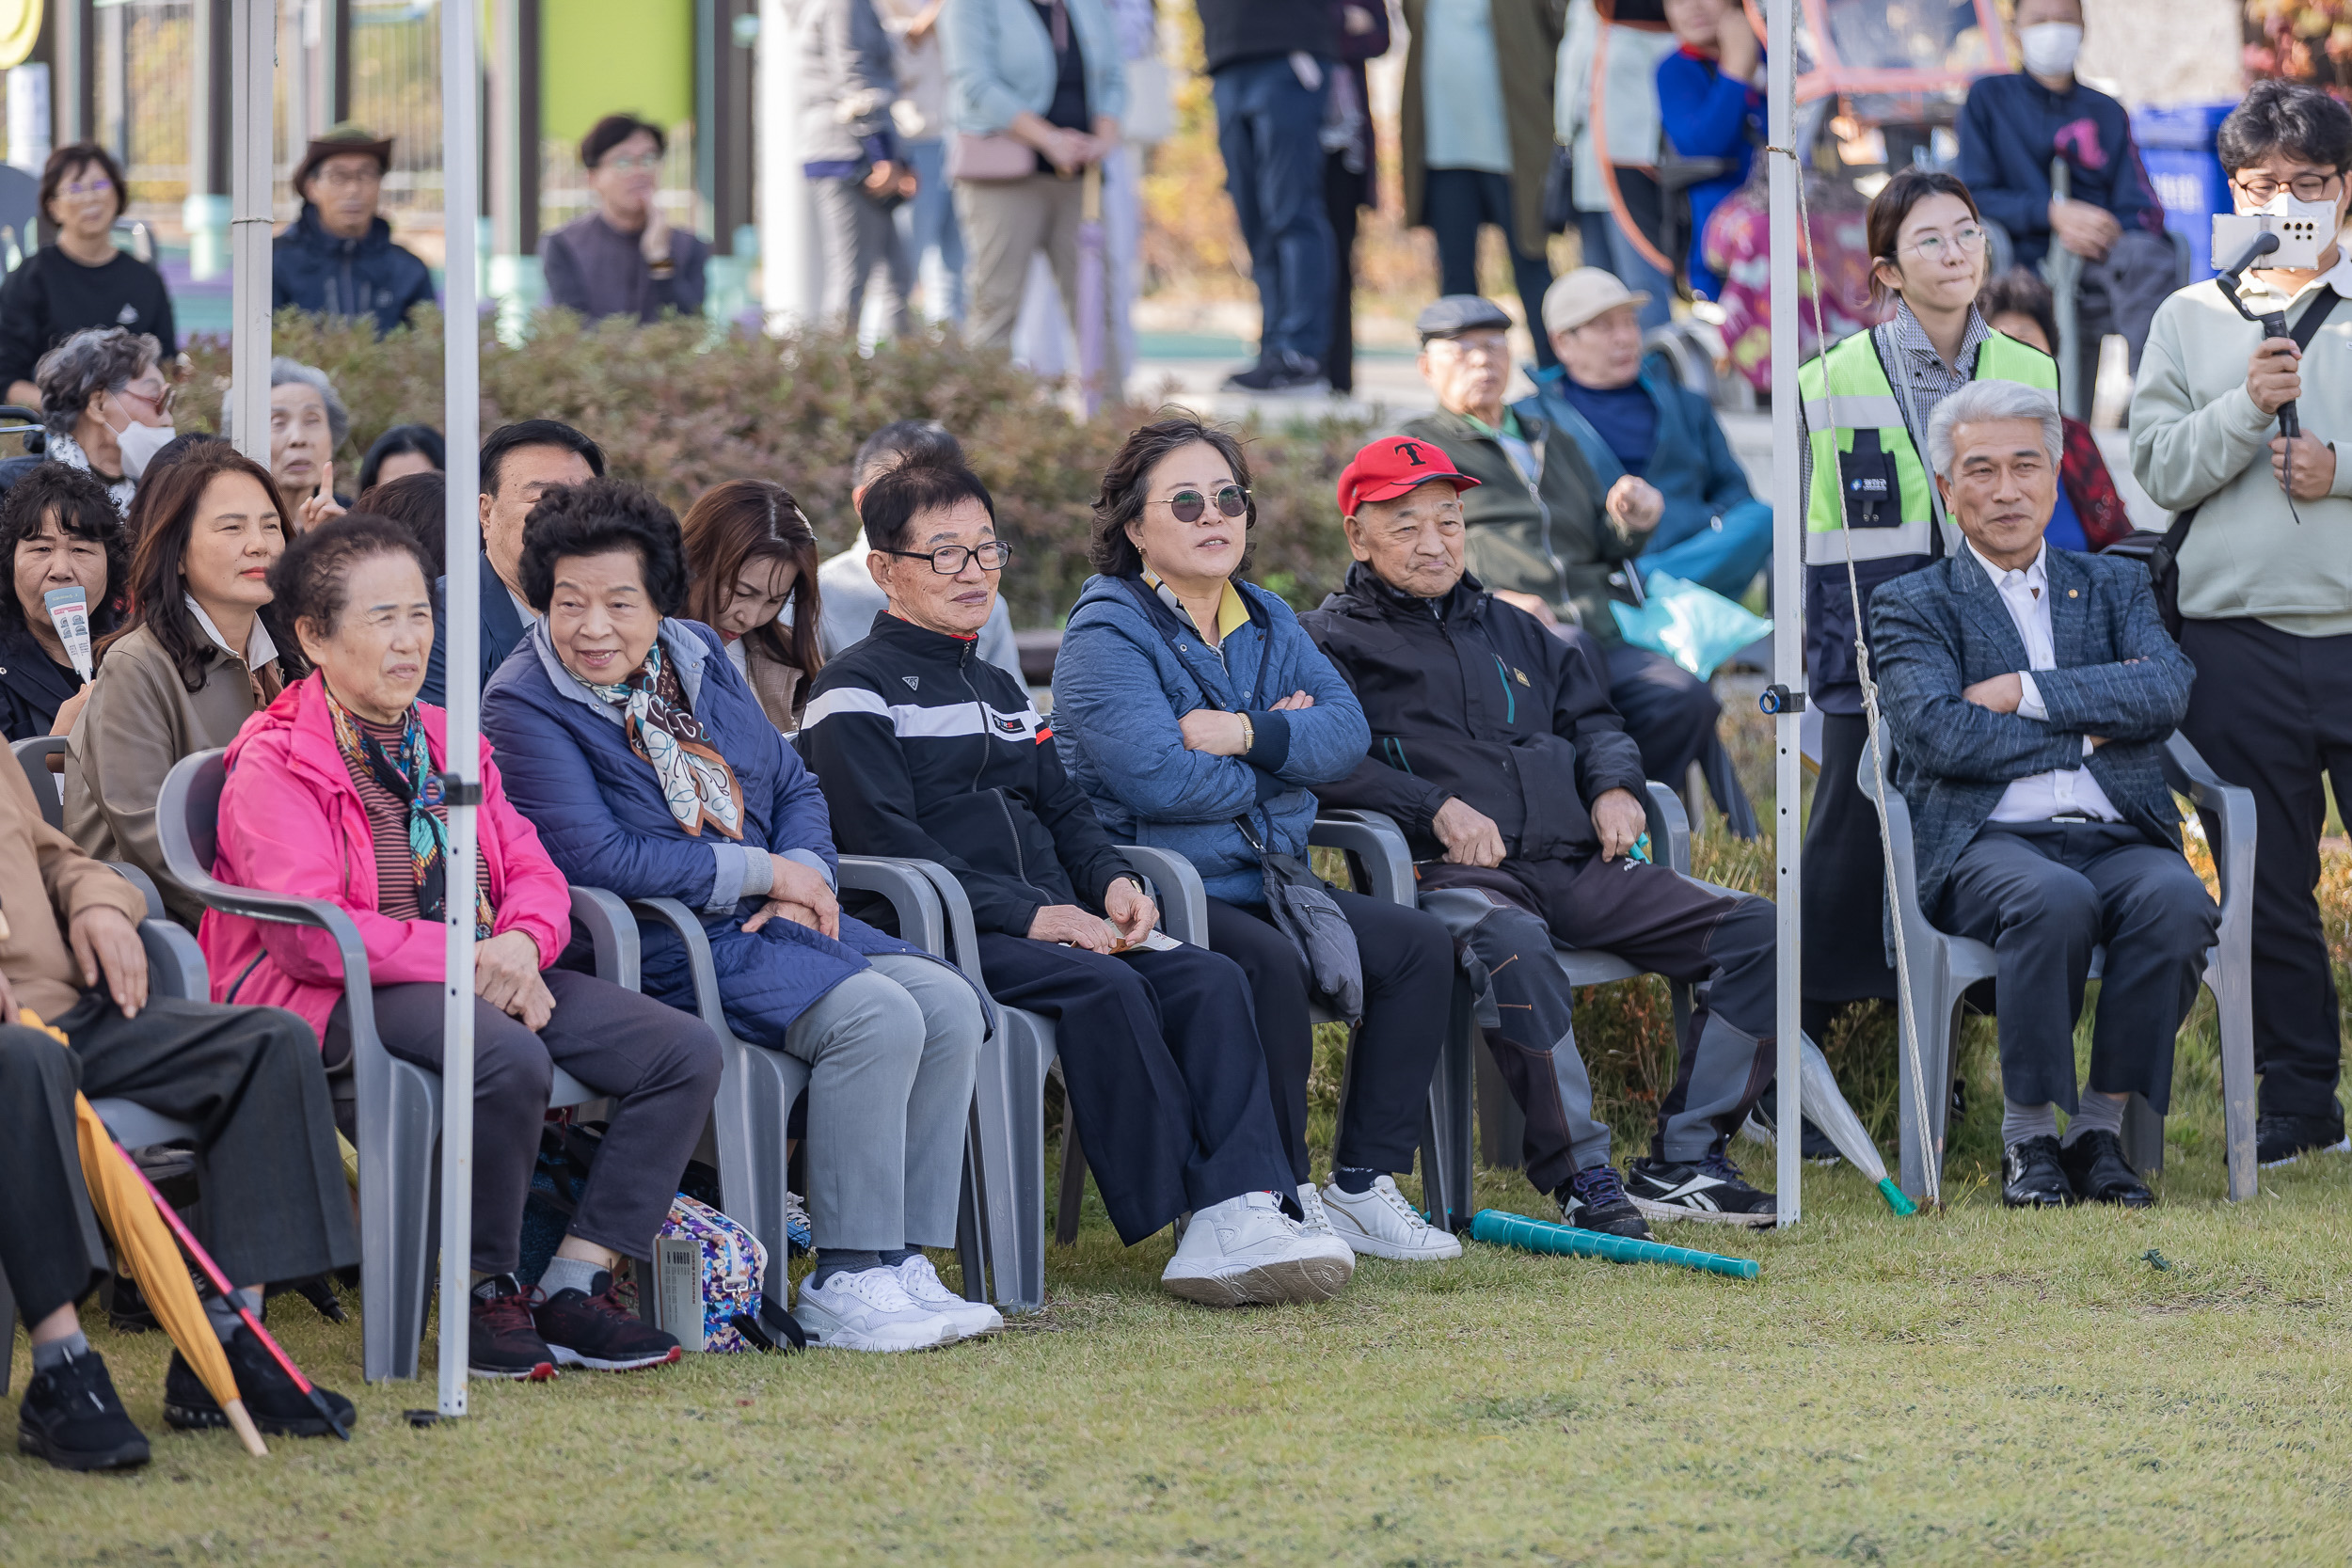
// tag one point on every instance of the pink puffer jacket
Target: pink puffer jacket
(290, 822)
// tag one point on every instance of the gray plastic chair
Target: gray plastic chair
(33, 756)
(398, 1105)
(758, 1086)
(1942, 967)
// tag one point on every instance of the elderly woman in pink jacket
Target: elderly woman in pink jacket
(332, 794)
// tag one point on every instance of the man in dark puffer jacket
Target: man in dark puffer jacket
(339, 259)
(1494, 747)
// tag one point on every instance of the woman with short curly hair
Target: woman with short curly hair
(646, 760)
(107, 404)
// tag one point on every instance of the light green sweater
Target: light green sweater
(2198, 440)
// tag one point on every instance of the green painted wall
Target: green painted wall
(601, 57)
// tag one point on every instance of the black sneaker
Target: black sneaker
(1710, 1191)
(591, 1328)
(276, 1406)
(1594, 1199)
(72, 1417)
(2096, 1169)
(2033, 1175)
(1280, 372)
(2283, 1140)
(502, 1340)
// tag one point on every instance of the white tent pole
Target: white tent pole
(253, 58)
(461, 90)
(1788, 595)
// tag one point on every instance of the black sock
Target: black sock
(832, 1263)
(892, 1257)
(1353, 1180)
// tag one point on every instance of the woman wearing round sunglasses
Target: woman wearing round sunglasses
(1198, 717)
(81, 280)
(1867, 492)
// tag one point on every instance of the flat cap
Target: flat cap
(1454, 314)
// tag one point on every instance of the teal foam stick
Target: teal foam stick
(1895, 1197)
(1498, 1229)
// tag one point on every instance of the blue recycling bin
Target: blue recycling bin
(2176, 144)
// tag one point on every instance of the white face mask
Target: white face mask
(139, 443)
(2050, 47)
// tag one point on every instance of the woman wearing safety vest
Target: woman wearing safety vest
(1867, 491)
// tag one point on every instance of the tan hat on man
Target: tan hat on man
(1577, 297)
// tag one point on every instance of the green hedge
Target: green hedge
(678, 412)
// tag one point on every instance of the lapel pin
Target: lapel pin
(2071, 594)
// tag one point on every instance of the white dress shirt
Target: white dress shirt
(2065, 791)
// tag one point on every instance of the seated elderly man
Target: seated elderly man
(1494, 747)
(2029, 691)
(1636, 422)
(274, 1206)
(1544, 535)
(927, 751)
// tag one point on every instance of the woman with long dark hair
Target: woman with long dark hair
(750, 554)
(58, 530)
(201, 653)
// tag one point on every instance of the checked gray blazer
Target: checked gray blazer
(1938, 630)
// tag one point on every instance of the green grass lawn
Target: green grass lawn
(1956, 1388)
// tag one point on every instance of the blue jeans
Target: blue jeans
(1606, 246)
(1267, 127)
(927, 227)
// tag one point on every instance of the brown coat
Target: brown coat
(45, 880)
(773, 682)
(1527, 45)
(139, 721)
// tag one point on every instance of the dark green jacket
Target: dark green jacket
(1553, 541)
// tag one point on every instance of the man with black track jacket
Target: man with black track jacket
(928, 751)
(1495, 749)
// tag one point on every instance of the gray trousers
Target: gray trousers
(892, 1051)
(1006, 222)
(2120, 293)
(2042, 894)
(858, 235)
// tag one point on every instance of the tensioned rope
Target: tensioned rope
(1932, 1172)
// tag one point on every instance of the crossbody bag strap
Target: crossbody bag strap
(2306, 328)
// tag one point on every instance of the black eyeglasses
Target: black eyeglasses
(948, 560)
(1190, 506)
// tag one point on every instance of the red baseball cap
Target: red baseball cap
(1393, 465)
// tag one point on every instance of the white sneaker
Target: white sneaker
(870, 1310)
(1380, 1222)
(1315, 1221)
(921, 1282)
(1246, 1250)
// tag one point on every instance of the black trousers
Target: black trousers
(2273, 712)
(1408, 995)
(2042, 894)
(1648, 915)
(1341, 192)
(1162, 1062)
(659, 1065)
(1669, 712)
(1845, 880)
(1456, 203)
(273, 1204)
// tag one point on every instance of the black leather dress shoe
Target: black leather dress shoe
(2032, 1176)
(2095, 1164)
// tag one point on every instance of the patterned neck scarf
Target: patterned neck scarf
(696, 781)
(411, 779)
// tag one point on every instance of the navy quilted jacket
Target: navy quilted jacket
(599, 812)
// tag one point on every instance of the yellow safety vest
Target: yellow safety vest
(1867, 474)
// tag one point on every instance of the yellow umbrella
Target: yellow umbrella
(127, 1207)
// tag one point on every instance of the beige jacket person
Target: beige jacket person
(45, 880)
(141, 720)
(2199, 440)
